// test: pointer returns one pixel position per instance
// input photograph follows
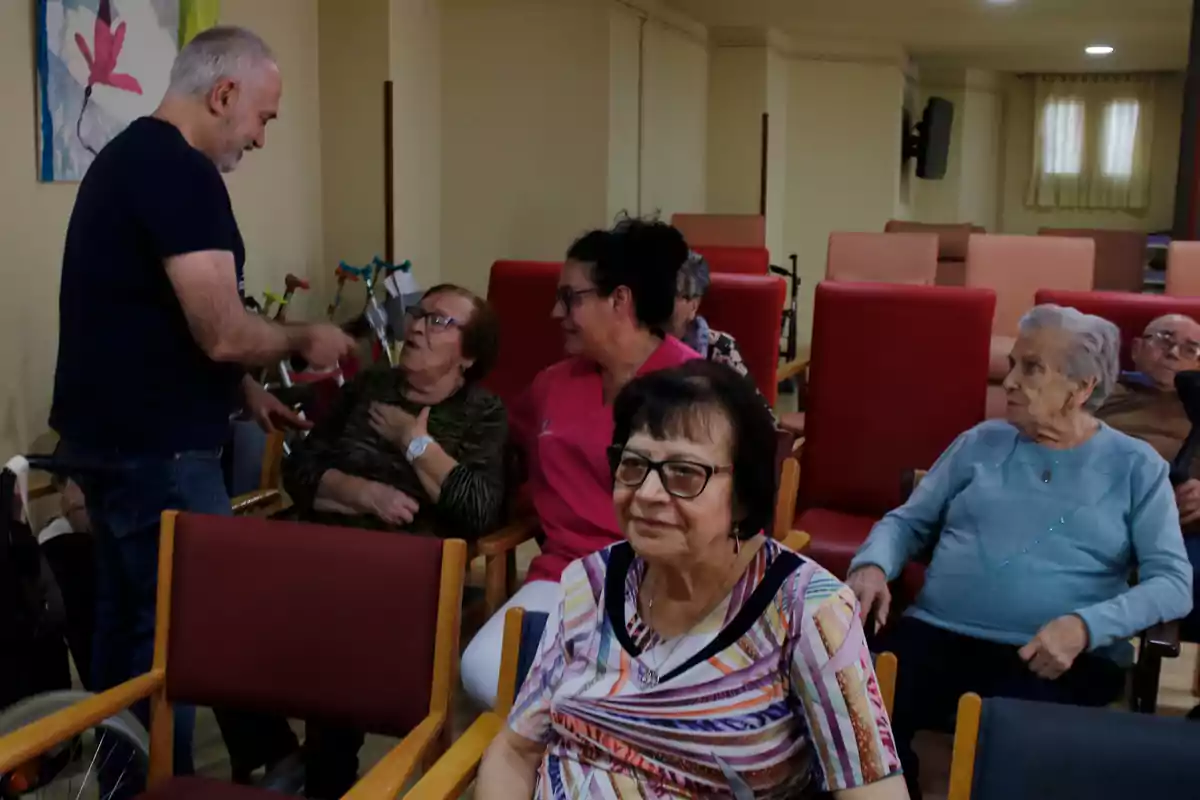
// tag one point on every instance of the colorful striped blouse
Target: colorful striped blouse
(791, 708)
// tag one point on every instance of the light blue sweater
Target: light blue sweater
(1024, 534)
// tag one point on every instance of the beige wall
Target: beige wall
(737, 98)
(626, 29)
(353, 66)
(556, 116)
(778, 90)
(674, 120)
(1018, 152)
(979, 172)
(276, 195)
(843, 140)
(525, 134)
(415, 70)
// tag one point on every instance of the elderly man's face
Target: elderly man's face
(1037, 387)
(1169, 345)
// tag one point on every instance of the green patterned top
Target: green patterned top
(471, 426)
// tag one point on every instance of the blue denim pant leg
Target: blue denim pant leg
(1189, 630)
(126, 501)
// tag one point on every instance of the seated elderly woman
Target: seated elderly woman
(616, 294)
(698, 658)
(418, 448)
(692, 329)
(1036, 524)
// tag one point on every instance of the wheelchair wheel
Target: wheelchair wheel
(107, 761)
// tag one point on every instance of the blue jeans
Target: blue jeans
(126, 496)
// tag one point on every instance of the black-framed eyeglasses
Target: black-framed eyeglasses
(569, 297)
(436, 321)
(683, 479)
(1167, 341)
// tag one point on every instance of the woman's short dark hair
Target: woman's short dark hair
(643, 255)
(680, 401)
(480, 334)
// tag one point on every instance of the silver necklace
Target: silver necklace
(649, 676)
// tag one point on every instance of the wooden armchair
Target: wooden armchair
(291, 619)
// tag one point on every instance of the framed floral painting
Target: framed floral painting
(101, 64)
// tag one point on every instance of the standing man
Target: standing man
(153, 337)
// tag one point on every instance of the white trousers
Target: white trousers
(481, 660)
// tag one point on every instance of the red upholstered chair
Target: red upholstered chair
(897, 373)
(910, 258)
(749, 308)
(522, 293)
(1183, 269)
(357, 628)
(1120, 256)
(740, 260)
(1129, 312)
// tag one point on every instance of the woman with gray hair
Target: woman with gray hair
(692, 329)
(1035, 524)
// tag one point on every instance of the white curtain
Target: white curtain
(1091, 142)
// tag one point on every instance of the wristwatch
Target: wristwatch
(417, 447)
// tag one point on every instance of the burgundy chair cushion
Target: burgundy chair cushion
(307, 621)
(205, 789)
(750, 309)
(897, 373)
(836, 537)
(1129, 312)
(522, 293)
(742, 260)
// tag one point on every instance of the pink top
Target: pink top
(565, 429)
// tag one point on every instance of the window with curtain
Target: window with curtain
(1092, 140)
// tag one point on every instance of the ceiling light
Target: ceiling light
(1098, 50)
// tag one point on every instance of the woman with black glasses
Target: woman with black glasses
(616, 295)
(697, 658)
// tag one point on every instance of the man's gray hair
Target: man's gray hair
(215, 54)
(693, 276)
(1094, 351)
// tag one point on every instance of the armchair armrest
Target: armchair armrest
(507, 538)
(258, 500)
(1161, 640)
(38, 737)
(388, 777)
(797, 540)
(450, 776)
(795, 367)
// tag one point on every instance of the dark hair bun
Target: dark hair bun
(644, 256)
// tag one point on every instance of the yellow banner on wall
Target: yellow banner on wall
(196, 16)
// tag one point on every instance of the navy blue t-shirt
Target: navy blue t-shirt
(130, 377)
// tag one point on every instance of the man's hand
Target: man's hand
(387, 503)
(1187, 497)
(398, 426)
(322, 344)
(1056, 646)
(869, 585)
(269, 411)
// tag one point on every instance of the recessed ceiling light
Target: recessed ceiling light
(1098, 50)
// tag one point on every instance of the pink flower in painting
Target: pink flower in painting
(102, 64)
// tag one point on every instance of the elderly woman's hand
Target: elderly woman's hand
(387, 503)
(1057, 644)
(398, 426)
(869, 585)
